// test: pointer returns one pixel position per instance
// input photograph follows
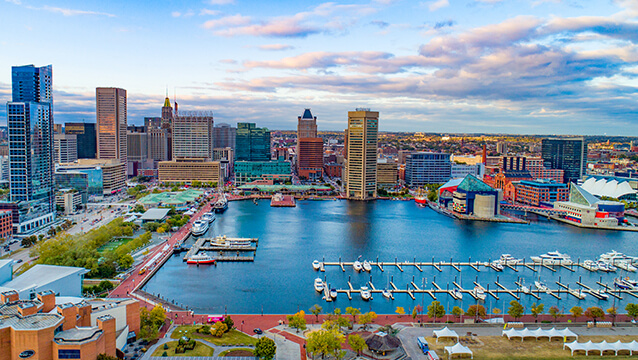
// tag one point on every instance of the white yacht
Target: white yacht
(540, 286)
(479, 292)
(601, 294)
(496, 265)
(333, 293)
(365, 293)
(387, 294)
(614, 256)
(319, 285)
(525, 289)
(590, 265)
(456, 294)
(209, 217)
(199, 227)
(553, 258)
(366, 265)
(507, 259)
(606, 267)
(316, 265)
(357, 266)
(625, 265)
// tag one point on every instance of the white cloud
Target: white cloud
(176, 14)
(439, 4)
(276, 47)
(73, 12)
(209, 12)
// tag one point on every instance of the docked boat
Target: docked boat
(455, 293)
(387, 294)
(200, 259)
(199, 227)
(625, 265)
(540, 286)
(479, 292)
(630, 282)
(333, 293)
(606, 267)
(421, 197)
(316, 265)
(220, 205)
(553, 258)
(525, 289)
(357, 266)
(496, 265)
(319, 285)
(614, 256)
(590, 265)
(366, 266)
(600, 293)
(209, 217)
(365, 293)
(507, 259)
(622, 284)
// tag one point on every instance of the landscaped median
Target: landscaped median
(230, 338)
(170, 347)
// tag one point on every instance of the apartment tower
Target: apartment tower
(361, 167)
(111, 123)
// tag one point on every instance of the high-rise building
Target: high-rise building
(252, 143)
(193, 135)
(423, 168)
(66, 148)
(309, 147)
(361, 168)
(111, 123)
(86, 138)
(501, 148)
(30, 123)
(157, 139)
(137, 150)
(224, 136)
(567, 154)
(166, 125)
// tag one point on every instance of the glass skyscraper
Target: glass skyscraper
(30, 126)
(252, 143)
(567, 154)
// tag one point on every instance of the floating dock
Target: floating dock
(220, 247)
(279, 200)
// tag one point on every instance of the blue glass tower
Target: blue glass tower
(30, 126)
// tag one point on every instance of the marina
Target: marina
(223, 248)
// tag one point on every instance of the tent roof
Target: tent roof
(382, 342)
(458, 349)
(445, 332)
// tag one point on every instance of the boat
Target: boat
(590, 265)
(209, 216)
(357, 266)
(199, 227)
(600, 293)
(625, 265)
(333, 293)
(387, 294)
(366, 266)
(421, 197)
(455, 293)
(553, 258)
(630, 282)
(319, 286)
(316, 265)
(614, 256)
(540, 286)
(525, 289)
(365, 293)
(622, 284)
(507, 259)
(479, 292)
(496, 265)
(606, 267)
(200, 259)
(224, 242)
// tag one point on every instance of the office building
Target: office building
(189, 170)
(249, 171)
(103, 176)
(540, 192)
(501, 148)
(166, 125)
(86, 138)
(537, 170)
(252, 143)
(137, 150)
(193, 135)
(387, 172)
(309, 148)
(157, 139)
(30, 123)
(423, 168)
(306, 125)
(224, 136)
(514, 163)
(111, 123)
(68, 200)
(6, 224)
(65, 147)
(225, 157)
(567, 154)
(4, 168)
(361, 168)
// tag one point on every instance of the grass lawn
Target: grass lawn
(199, 350)
(236, 352)
(499, 348)
(112, 245)
(232, 337)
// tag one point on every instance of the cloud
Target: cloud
(176, 14)
(380, 24)
(275, 47)
(438, 4)
(221, 2)
(59, 10)
(186, 14)
(209, 12)
(442, 24)
(232, 21)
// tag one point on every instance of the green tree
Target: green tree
(354, 312)
(125, 261)
(324, 342)
(594, 313)
(265, 348)
(433, 195)
(515, 310)
(537, 310)
(105, 357)
(357, 343)
(106, 285)
(297, 321)
(367, 318)
(458, 312)
(613, 312)
(576, 312)
(476, 311)
(316, 310)
(632, 310)
(158, 315)
(218, 329)
(555, 312)
(229, 323)
(436, 310)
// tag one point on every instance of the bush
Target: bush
(180, 350)
(164, 354)
(165, 346)
(190, 345)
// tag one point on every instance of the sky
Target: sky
(494, 66)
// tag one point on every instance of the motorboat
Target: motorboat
(622, 284)
(357, 266)
(553, 258)
(316, 265)
(625, 265)
(366, 266)
(456, 294)
(199, 227)
(221, 204)
(590, 265)
(387, 294)
(525, 289)
(479, 292)
(200, 259)
(319, 285)
(600, 293)
(507, 259)
(333, 293)
(614, 256)
(630, 281)
(496, 265)
(365, 293)
(540, 286)
(606, 267)
(209, 216)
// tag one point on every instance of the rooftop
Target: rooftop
(171, 198)
(31, 322)
(155, 214)
(78, 335)
(472, 183)
(41, 275)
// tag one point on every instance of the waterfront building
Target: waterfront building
(502, 179)
(540, 192)
(224, 136)
(249, 171)
(585, 209)
(474, 197)
(189, 170)
(610, 187)
(86, 138)
(65, 148)
(111, 123)
(193, 135)
(104, 176)
(361, 152)
(252, 143)
(387, 172)
(423, 168)
(537, 170)
(567, 154)
(30, 123)
(461, 170)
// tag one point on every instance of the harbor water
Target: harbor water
(280, 280)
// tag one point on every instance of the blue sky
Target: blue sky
(500, 66)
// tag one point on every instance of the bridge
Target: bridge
(533, 209)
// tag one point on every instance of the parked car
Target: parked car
(258, 331)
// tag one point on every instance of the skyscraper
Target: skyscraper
(111, 123)
(224, 136)
(361, 167)
(309, 147)
(166, 126)
(252, 143)
(66, 148)
(86, 138)
(30, 123)
(567, 154)
(193, 135)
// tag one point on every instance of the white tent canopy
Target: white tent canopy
(602, 346)
(445, 333)
(539, 333)
(458, 349)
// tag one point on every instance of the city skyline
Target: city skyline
(517, 67)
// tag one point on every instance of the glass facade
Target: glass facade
(247, 171)
(427, 168)
(252, 143)
(85, 132)
(569, 155)
(87, 181)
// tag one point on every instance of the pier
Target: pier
(219, 247)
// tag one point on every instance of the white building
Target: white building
(461, 170)
(66, 148)
(63, 280)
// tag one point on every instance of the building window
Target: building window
(68, 354)
(26, 354)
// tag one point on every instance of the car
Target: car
(258, 331)
(19, 261)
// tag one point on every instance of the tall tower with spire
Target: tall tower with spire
(167, 125)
